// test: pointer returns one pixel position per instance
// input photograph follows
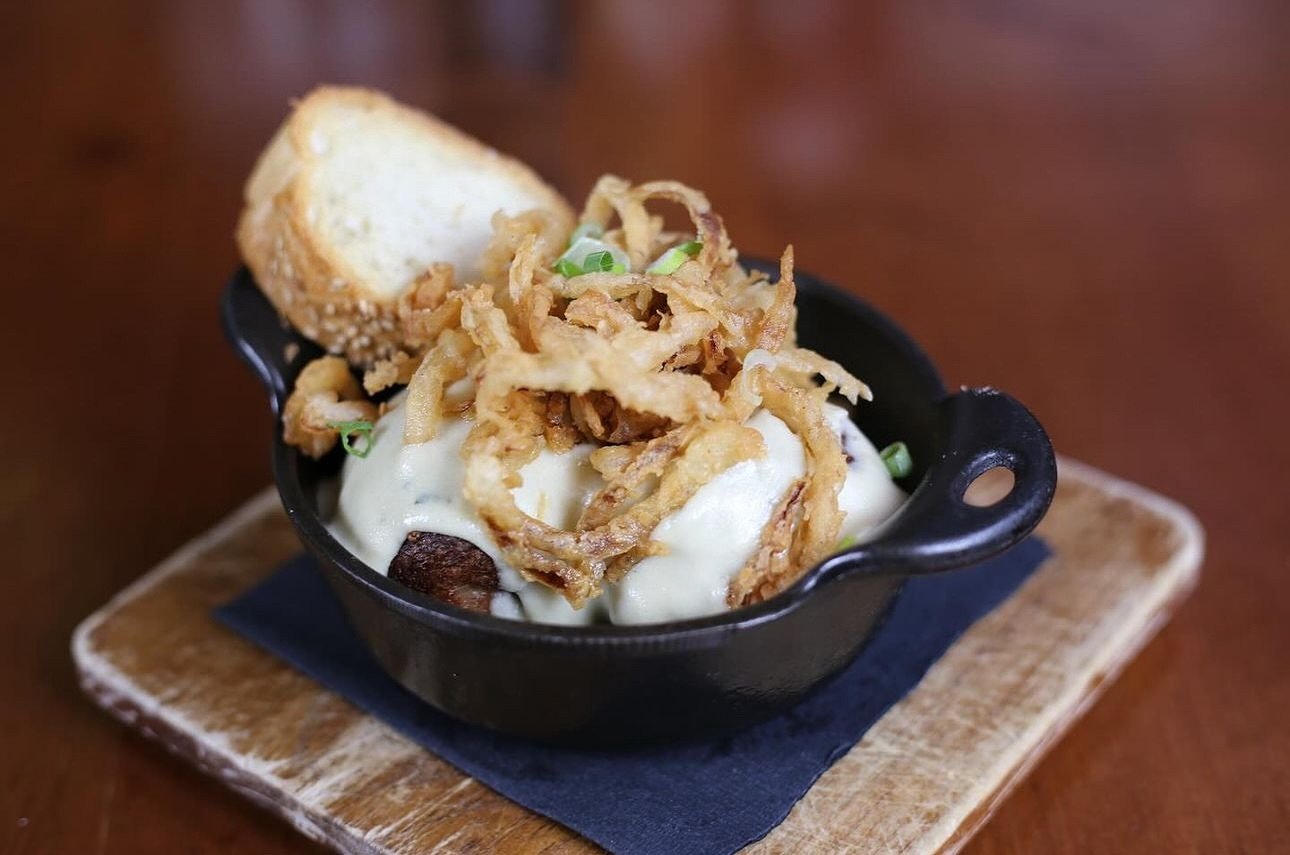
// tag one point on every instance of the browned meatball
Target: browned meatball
(446, 568)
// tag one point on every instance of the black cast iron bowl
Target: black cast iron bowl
(693, 677)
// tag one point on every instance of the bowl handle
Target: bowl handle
(936, 530)
(262, 338)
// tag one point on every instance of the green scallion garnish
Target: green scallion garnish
(568, 269)
(669, 261)
(588, 254)
(897, 459)
(846, 543)
(362, 427)
(598, 262)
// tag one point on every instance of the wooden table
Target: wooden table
(1088, 207)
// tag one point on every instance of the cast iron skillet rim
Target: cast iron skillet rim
(696, 631)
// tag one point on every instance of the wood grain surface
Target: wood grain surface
(921, 781)
(1085, 204)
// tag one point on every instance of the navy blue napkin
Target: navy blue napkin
(710, 797)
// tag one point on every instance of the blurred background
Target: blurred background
(1084, 203)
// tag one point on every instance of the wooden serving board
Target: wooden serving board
(920, 781)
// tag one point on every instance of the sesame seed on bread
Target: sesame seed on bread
(354, 197)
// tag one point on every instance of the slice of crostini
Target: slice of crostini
(355, 196)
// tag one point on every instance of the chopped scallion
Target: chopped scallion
(618, 267)
(897, 459)
(669, 261)
(568, 269)
(590, 255)
(846, 542)
(346, 430)
(598, 262)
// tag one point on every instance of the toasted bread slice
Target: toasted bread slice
(355, 197)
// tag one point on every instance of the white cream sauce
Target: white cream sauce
(397, 489)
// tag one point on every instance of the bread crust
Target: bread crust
(306, 279)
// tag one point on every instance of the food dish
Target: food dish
(636, 444)
(699, 673)
(614, 684)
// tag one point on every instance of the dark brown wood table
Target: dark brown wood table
(1086, 204)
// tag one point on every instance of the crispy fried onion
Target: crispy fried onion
(804, 526)
(660, 370)
(325, 394)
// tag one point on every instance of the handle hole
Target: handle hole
(990, 487)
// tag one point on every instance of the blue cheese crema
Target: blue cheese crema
(401, 488)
